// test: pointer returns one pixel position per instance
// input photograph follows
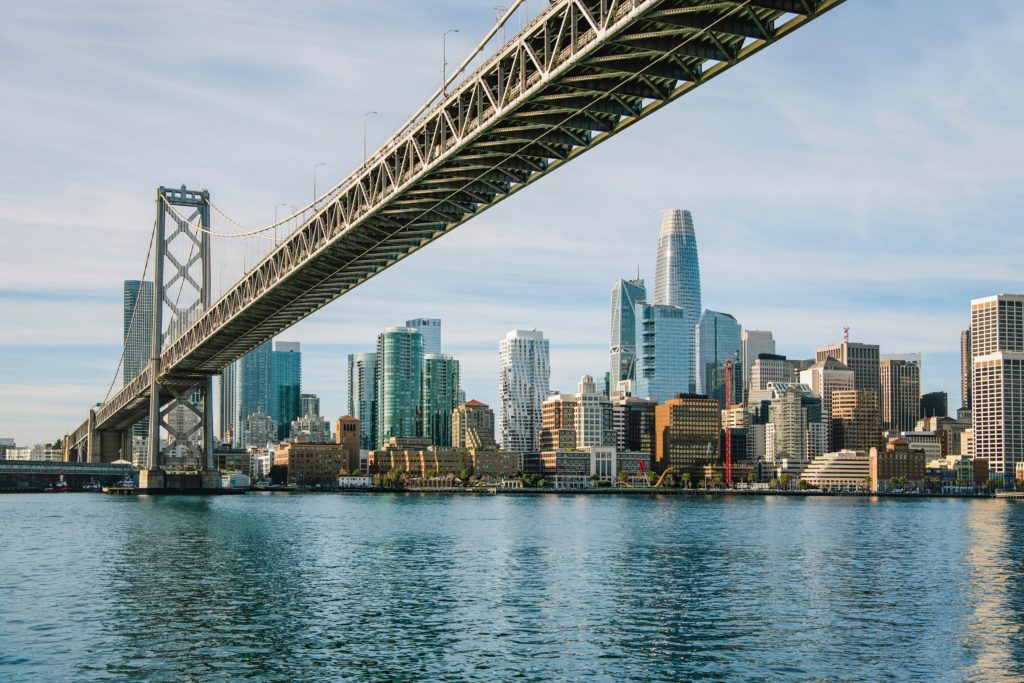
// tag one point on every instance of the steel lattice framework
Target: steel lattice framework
(580, 72)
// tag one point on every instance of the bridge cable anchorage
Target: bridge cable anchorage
(135, 309)
(734, 8)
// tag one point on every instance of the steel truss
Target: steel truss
(579, 73)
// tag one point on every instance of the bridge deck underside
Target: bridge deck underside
(578, 74)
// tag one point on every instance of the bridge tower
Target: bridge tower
(181, 294)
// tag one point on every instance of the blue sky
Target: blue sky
(864, 172)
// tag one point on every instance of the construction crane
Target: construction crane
(728, 429)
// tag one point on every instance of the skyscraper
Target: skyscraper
(901, 393)
(524, 371)
(137, 327)
(997, 381)
(137, 335)
(473, 426)
(625, 295)
(966, 369)
(677, 274)
(285, 385)
(362, 396)
(430, 328)
(861, 358)
(439, 396)
(826, 377)
(399, 375)
(309, 404)
(856, 420)
(718, 338)
(245, 390)
(664, 336)
(755, 342)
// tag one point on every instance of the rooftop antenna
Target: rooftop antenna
(846, 334)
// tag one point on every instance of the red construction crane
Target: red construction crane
(728, 430)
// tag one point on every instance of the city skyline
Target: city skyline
(868, 247)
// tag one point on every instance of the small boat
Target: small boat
(92, 487)
(124, 487)
(60, 487)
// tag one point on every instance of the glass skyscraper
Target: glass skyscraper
(663, 335)
(245, 389)
(399, 376)
(285, 385)
(362, 396)
(137, 335)
(718, 338)
(677, 275)
(625, 295)
(137, 327)
(439, 397)
(430, 328)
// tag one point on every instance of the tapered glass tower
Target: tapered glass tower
(625, 295)
(677, 279)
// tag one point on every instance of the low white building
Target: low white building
(841, 471)
(37, 453)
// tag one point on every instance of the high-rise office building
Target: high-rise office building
(934, 404)
(137, 327)
(626, 294)
(633, 420)
(856, 420)
(399, 378)
(677, 275)
(362, 396)
(439, 396)
(430, 328)
(966, 369)
(795, 430)
(577, 420)
(245, 390)
(524, 371)
(754, 343)
(687, 435)
(665, 339)
(997, 381)
(137, 335)
(901, 393)
(826, 377)
(861, 358)
(718, 339)
(473, 426)
(768, 368)
(309, 404)
(285, 385)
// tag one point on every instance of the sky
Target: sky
(863, 172)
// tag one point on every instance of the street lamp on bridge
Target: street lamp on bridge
(365, 117)
(444, 59)
(316, 166)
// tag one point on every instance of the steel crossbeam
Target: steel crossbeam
(577, 74)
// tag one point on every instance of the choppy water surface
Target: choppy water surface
(413, 587)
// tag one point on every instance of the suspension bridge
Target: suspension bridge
(574, 75)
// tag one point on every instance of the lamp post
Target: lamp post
(316, 166)
(444, 58)
(365, 117)
(275, 221)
